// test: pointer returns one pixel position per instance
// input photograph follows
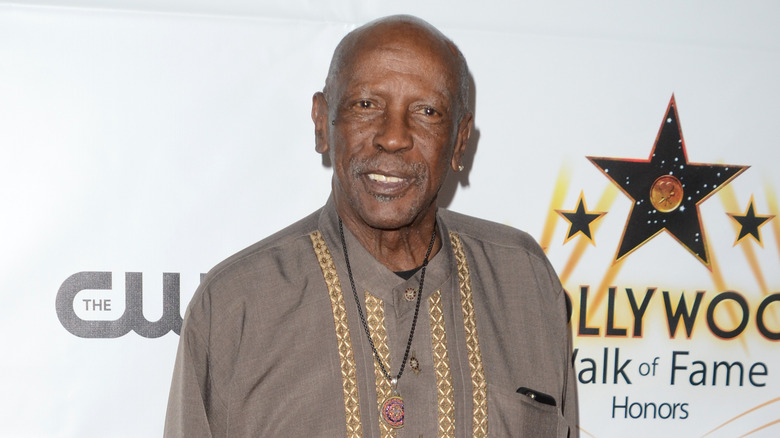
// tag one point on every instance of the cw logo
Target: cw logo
(132, 318)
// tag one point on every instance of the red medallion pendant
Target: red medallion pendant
(392, 411)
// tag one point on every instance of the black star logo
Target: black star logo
(666, 190)
(750, 223)
(580, 220)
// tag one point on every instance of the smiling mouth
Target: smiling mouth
(386, 187)
(387, 180)
(384, 178)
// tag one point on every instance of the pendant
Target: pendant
(392, 411)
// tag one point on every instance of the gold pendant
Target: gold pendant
(392, 411)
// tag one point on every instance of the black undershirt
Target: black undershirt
(408, 274)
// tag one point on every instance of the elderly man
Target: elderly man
(381, 315)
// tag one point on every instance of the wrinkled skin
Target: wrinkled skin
(391, 121)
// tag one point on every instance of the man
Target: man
(381, 315)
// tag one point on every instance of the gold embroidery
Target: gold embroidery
(346, 355)
(375, 317)
(441, 365)
(478, 381)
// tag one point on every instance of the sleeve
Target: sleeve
(187, 414)
(570, 404)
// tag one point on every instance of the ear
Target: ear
(319, 115)
(462, 140)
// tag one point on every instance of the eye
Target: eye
(428, 111)
(363, 107)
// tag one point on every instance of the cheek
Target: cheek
(439, 152)
(350, 140)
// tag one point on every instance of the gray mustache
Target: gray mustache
(396, 166)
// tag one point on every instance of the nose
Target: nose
(394, 133)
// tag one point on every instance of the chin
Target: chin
(391, 214)
(385, 222)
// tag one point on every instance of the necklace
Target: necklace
(392, 409)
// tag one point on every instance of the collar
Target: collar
(372, 276)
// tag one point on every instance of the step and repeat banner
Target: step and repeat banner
(638, 143)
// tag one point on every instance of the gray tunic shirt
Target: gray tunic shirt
(272, 344)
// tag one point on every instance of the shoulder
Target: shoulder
(502, 250)
(287, 239)
(491, 233)
(277, 262)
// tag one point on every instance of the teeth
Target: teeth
(384, 178)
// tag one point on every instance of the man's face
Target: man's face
(394, 132)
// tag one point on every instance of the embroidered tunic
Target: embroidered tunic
(272, 344)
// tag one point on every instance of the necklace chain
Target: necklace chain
(363, 318)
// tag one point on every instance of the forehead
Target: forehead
(400, 53)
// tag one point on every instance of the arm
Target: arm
(187, 414)
(570, 404)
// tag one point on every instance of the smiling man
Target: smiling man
(381, 315)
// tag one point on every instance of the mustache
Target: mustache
(388, 163)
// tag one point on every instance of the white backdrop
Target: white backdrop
(160, 137)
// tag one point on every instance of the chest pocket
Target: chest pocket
(518, 416)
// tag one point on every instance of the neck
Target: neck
(400, 249)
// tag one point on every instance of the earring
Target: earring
(460, 168)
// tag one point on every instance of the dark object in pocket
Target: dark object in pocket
(536, 395)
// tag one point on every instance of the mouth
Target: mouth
(385, 186)
(378, 177)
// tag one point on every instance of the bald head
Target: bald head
(399, 29)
